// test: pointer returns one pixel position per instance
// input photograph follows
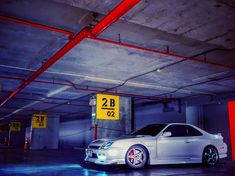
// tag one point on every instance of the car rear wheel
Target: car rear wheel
(136, 157)
(210, 156)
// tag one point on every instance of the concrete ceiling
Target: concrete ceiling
(181, 27)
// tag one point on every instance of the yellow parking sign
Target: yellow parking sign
(39, 121)
(107, 107)
(15, 126)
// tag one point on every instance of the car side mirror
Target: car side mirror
(166, 134)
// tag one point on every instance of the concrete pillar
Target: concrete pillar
(16, 138)
(114, 128)
(194, 116)
(46, 138)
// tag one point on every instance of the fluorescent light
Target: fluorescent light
(206, 77)
(52, 93)
(102, 80)
(133, 84)
(159, 70)
(139, 85)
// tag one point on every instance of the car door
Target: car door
(174, 147)
(196, 142)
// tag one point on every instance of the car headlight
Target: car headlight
(107, 145)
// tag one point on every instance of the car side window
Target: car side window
(183, 131)
(193, 131)
(177, 130)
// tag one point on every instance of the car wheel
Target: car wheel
(136, 156)
(210, 156)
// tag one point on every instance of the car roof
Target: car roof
(168, 124)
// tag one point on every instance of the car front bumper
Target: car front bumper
(105, 156)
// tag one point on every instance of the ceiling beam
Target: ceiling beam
(109, 19)
(7, 18)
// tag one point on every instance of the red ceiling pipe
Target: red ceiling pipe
(86, 89)
(78, 38)
(163, 53)
(70, 34)
(43, 101)
(114, 15)
(118, 11)
(100, 27)
(33, 110)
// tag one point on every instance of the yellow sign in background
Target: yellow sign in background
(39, 121)
(107, 107)
(15, 126)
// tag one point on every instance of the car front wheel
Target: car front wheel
(210, 156)
(136, 157)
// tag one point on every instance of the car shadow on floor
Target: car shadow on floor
(173, 169)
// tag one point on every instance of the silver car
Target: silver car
(159, 144)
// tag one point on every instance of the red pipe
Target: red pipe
(70, 34)
(96, 132)
(86, 89)
(114, 15)
(231, 111)
(123, 7)
(100, 27)
(78, 38)
(33, 110)
(34, 99)
(162, 53)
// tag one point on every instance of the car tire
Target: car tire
(136, 157)
(210, 156)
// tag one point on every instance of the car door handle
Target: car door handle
(187, 142)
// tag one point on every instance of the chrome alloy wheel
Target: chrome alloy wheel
(136, 157)
(210, 156)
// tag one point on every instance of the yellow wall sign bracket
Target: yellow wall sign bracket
(39, 121)
(15, 126)
(107, 107)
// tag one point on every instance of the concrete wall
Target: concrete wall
(154, 114)
(211, 115)
(3, 134)
(18, 138)
(46, 138)
(76, 133)
(216, 120)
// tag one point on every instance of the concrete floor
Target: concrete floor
(70, 162)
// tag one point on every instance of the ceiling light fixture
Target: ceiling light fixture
(139, 85)
(159, 70)
(210, 76)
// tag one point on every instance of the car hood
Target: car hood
(100, 142)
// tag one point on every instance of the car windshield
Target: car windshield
(152, 130)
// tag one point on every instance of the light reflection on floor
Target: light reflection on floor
(48, 170)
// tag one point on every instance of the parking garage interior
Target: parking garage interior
(162, 61)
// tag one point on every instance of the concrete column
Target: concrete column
(194, 116)
(16, 138)
(114, 128)
(46, 138)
